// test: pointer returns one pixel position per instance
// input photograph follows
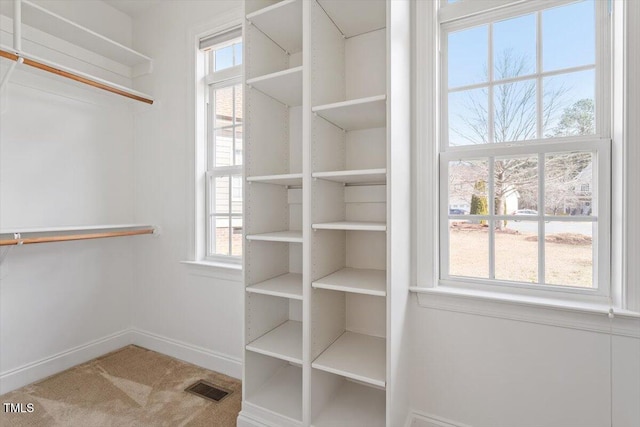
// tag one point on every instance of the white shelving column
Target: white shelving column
(274, 236)
(327, 211)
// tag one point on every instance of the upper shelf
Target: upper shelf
(351, 226)
(58, 26)
(289, 179)
(359, 176)
(291, 236)
(284, 86)
(350, 19)
(282, 23)
(363, 113)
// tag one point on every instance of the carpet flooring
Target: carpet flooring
(129, 387)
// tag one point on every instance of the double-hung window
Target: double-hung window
(224, 146)
(525, 147)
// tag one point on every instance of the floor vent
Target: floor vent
(208, 391)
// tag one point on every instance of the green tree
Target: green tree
(479, 204)
(578, 119)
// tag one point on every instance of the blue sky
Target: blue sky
(568, 40)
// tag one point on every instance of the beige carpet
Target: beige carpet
(129, 387)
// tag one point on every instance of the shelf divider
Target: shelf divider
(351, 226)
(290, 236)
(363, 113)
(284, 86)
(355, 280)
(290, 179)
(356, 356)
(288, 285)
(283, 342)
(360, 176)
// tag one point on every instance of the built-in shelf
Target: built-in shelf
(282, 393)
(58, 26)
(26, 236)
(291, 236)
(356, 114)
(351, 225)
(283, 342)
(290, 179)
(349, 17)
(282, 23)
(285, 286)
(354, 405)
(355, 280)
(362, 176)
(356, 356)
(284, 86)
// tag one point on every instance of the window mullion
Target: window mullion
(541, 223)
(492, 224)
(230, 210)
(539, 91)
(490, 106)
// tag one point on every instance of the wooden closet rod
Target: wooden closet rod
(73, 76)
(69, 237)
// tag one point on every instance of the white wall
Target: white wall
(66, 158)
(180, 310)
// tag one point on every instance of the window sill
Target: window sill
(546, 311)
(217, 270)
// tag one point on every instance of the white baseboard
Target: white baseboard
(421, 419)
(40, 369)
(200, 356)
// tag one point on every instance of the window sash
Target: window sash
(210, 213)
(601, 216)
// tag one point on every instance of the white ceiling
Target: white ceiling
(134, 8)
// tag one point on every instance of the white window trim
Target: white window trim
(625, 298)
(195, 260)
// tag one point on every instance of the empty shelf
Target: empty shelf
(283, 342)
(286, 286)
(291, 179)
(356, 356)
(284, 86)
(281, 393)
(282, 23)
(351, 225)
(58, 26)
(278, 236)
(350, 19)
(356, 114)
(354, 405)
(355, 280)
(362, 176)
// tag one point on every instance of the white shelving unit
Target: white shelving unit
(327, 237)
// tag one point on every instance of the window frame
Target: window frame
(214, 80)
(461, 15)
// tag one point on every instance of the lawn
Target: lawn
(568, 256)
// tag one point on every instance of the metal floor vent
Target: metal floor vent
(208, 391)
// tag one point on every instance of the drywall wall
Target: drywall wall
(65, 159)
(184, 311)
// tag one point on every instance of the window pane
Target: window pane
(516, 257)
(236, 239)
(237, 53)
(221, 195)
(223, 106)
(223, 142)
(569, 106)
(236, 194)
(514, 47)
(515, 111)
(515, 186)
(238, 145)
(568, 36)
(569, 184)
(468, 188)
(238, 104)
(220, 227)
(223, 58)
(467, 59)
(468, 117)
(468, 249)
(569, 253)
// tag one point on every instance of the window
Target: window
(224, 146)
(524, 147)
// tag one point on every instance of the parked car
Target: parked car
(457, 212)
(524, 212)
